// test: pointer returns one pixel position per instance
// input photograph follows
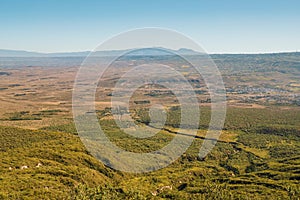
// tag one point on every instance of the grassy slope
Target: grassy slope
(65, 164)
(259, 158)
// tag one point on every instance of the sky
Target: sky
(218, 26)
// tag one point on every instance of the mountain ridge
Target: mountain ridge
(144, 51)
(150, 51)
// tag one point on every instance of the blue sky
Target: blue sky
(237, 26)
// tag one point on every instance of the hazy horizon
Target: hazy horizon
(87, 51)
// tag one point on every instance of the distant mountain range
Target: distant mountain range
(139, 52)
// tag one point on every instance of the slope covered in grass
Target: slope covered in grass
(64, 163)
(257, 157)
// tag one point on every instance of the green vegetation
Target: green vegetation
(64, 163)
(259, 159)
(24, 115)
(27, 115)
